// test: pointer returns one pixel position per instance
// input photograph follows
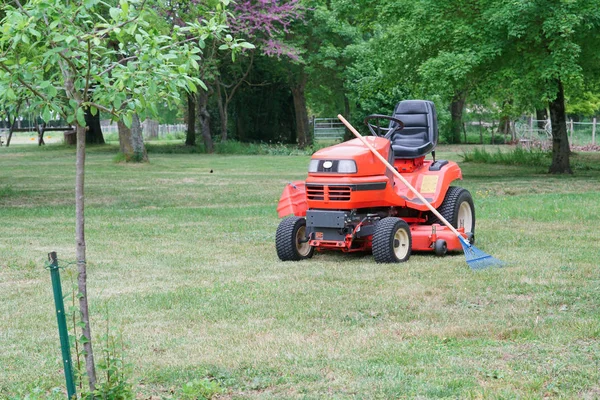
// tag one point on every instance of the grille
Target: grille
(339, 193)
(328, 193)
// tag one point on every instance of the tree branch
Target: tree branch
(73, 66)
(131, 58)
(99, 107)
(121, 61)
(18, 3)
(89, 69)
(28, 86)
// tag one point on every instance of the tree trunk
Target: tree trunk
(347, 133)
(223, 105)
(456, 110)
(541, 114)
(41, 129)
(346, 107)
(302, 132)
(131, 141)
(94, 132)
(560, 139)
(204, 119)
(503, 125)
(12, 125)
(190, 137)
(81, 257)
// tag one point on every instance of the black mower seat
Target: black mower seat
(420, 133)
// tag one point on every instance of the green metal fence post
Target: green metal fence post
(63, 333)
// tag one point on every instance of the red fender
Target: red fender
(293, 200)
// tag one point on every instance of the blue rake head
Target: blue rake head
(478, 259)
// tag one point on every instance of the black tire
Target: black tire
(440, 247)
(392, 241)
(290, 240)
(458, 209)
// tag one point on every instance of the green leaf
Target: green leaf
(10, 94)
(93, 110)
(124, 6)
(115, 13)
(51, 91)
(247, 45)
(81, 117)
(127, 120)
(46, 114)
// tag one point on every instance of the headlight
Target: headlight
(346, 167)
(332, 166)
(313, 166)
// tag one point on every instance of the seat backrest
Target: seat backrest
(420, 133)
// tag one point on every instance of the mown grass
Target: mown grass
(184, 260)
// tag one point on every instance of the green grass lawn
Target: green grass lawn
(184, 261)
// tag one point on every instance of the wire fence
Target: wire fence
(529, 132)
(150, 130)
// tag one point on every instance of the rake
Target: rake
(476, 258)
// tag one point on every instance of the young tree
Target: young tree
(70, 58)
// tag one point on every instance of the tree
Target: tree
(92, 75)
(267, 24)
(549, 45)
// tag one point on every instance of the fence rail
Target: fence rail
(149, 132)
(529, 131)
(328, 129)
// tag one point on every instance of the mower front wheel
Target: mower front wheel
(392, 241)
(291, 241)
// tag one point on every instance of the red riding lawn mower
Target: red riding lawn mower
(351, 201)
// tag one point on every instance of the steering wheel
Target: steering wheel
(378, 130)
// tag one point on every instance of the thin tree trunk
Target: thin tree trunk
(204, 119)
(560, 138)
(222, 105)
(131, 140)
(347, 133)
(81, 257)
(225, 97)
(301, 112)
(12, 126)
(456, 110)
(190, 137)
(40, 131)
(346, 107)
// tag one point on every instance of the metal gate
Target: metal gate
(329, 129)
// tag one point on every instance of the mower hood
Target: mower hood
(367, 164)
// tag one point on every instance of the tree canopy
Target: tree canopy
(356, 56)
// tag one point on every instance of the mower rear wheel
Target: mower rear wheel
(458, 209)
(291, 241)
(392, 241)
